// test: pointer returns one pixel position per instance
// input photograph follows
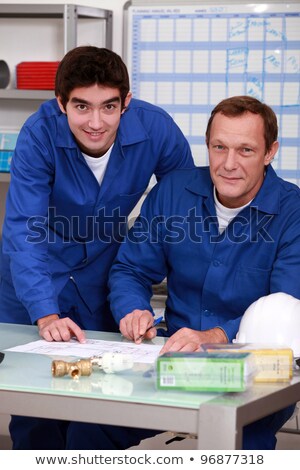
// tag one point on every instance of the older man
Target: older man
(223, 236)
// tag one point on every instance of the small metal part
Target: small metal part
(109, 363)
(73, 369)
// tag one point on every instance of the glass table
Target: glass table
(130, 398)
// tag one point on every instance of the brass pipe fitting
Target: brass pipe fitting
(73, 369)
(108, 362)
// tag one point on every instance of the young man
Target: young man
(81, 164)
(223, 236)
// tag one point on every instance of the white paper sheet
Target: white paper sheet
(145, 353)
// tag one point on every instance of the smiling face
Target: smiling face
(238, 156)
(94, 115)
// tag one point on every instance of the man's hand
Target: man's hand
(188, 340)
(134, 325)
(53, 328)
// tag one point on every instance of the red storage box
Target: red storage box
(36, 75)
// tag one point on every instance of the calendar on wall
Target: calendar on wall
(188, 58)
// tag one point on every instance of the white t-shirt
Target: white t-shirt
(225, 214)
(98, 164)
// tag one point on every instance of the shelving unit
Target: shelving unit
(69, 13)
(14, 94)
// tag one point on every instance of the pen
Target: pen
(155, 322)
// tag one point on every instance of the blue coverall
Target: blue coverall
(62, 230)
(212, 277)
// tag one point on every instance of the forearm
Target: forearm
(127, 294)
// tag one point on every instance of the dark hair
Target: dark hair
(85, 66)
(237, 105)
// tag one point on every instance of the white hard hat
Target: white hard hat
(274, 319)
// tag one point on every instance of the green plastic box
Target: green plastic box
(205, 371)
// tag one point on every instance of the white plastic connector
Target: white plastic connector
(116, 362)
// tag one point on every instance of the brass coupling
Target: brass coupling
(73, 369)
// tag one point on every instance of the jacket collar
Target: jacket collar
(266, 200)
(64, 136)
(268, 197)
(131, 129)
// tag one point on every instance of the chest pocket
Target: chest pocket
(251, 283)
(120, 205)
(111, 218)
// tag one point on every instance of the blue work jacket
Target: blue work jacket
(60, 224)
(212, 278)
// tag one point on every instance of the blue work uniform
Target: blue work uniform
(62, 230)
(212, 277)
